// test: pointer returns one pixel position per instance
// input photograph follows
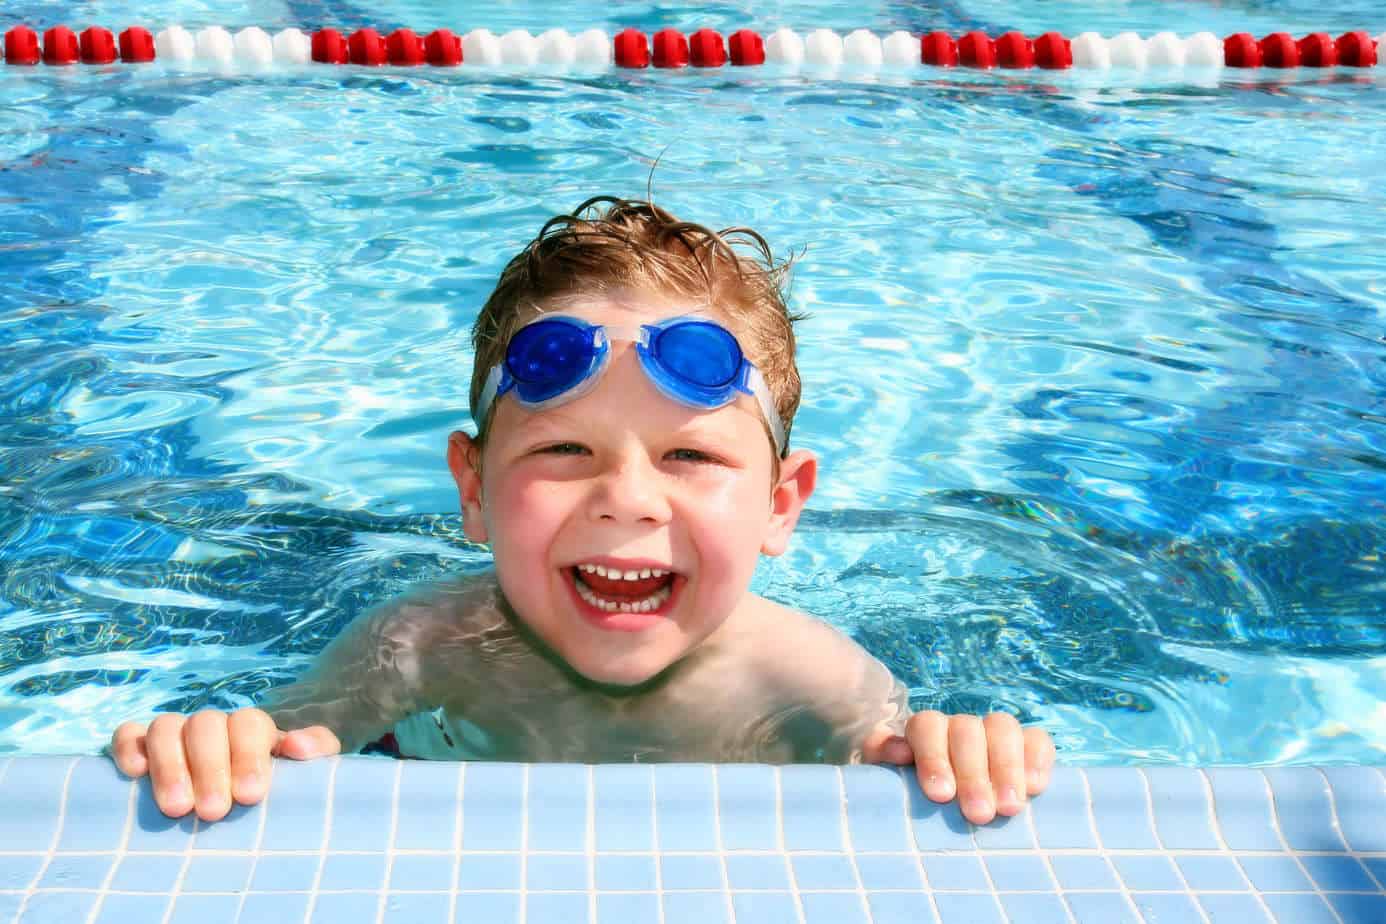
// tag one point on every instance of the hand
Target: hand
(990, 764)
(208, 759)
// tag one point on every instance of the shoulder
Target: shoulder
(802, 653)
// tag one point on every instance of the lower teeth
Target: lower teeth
(649, 604)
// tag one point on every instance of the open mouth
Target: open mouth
(616, 590)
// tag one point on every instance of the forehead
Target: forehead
(624, 307)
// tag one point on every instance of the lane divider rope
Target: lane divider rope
(820, 49)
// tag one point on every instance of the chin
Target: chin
(623, 674)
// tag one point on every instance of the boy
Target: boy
(633, 390)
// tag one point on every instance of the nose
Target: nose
(630, 491)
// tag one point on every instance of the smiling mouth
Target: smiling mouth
(612, 590)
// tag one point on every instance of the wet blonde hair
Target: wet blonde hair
(635, 246)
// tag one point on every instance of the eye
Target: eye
(689, 455)
(563, 449)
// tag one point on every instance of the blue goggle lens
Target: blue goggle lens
(548, 357)
(703, 354)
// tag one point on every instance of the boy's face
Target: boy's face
(628, 480)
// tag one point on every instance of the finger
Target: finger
(128, 751)
(883, 746)
(205, 738)
(308, 743)
(168, 765)
(1006, 762)
(928, 737)
(967, 750)
(251, 736)
(1039, 759)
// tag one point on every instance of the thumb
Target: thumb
(308, 743)
(883, 746)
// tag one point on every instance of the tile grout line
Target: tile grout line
(918, 855)
(1043, 854)
(524, 844)
(198, 825)
(986, 870)
(1167, 852)
(590, 836)
(1097, 837)
(721, 845)
(1338, 826)
(390, 845)
(784, 853)
(844, 836)
(323, 849)
(1275, 826)
(131, 802)
(654, 844)
(458, 794)
(53, 848)
(257, 850)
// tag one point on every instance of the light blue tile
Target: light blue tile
(490, 871)
(901, 908)
(1338, 874)
(205, 909)
(285, 872)
(1079, 871)
(413, 907)
(1121, 808)
(963, 908)
(275, 907)
(132, 909)
(875, 797)
(297, 802)
(18, 871)
(1242, 803)
(696, 908)
(362, 803)
(239, 830)
(556, 872)
(1275, 873)
(1034, 907)
(757, 871)
(1359, 800)
(1002, 833)
(153, 830)
(693, 871)
(428, 805)
(32, 791)
(357, 871)
(1017, 872)
(1233, 909)
(889, 871)
(625, 872)
(1101, 908)
(558, 908)
(138, 873)
(811, 796)
(558, 807)
(823, 871)
(1377, 867)
(623, 809)
(492, 803)
(1182, 808)
(80, 871)
(1147, 872)
(1205, 873)
(217, 873)
(98, 804)
(685, 807)
(493, 908)
(9, 905)
(765, 907)
(1060, 815)
(56, 907)
(933, 826)
(421, 872)
(1303, 808)
(622, 909)
(747, 810)
(1167, 907)
(834, 908)
(1299, 908)
(1358, 909)
(345, 907)
(955, 873)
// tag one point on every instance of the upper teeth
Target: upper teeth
(616, 574)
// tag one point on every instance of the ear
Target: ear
(798, 475)
(464, 457)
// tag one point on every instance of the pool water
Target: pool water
(1096, 366)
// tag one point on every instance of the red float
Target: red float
(976, 49)
(1241, 50)
(404, 48)
(670, 48)
(705, 49)
(939, 50)
(632, 49)
(747, 48)
(136, 45)
(22, 46)
(367, 47)
(329, 47)
(1279, 50)
(1053, 51)
(97, 46)
(1015, 51)
(60, 46)
(1318, 50)
(1356, 49)
(443, 49)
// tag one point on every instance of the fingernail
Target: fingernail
(977, 807)
(1032, 777)
(939, 787)
(1009, 796)
(248, 782)
(178, 792)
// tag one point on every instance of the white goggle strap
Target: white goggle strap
(756, 382)
(488, 396)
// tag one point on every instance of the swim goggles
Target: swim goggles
(694, 361)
